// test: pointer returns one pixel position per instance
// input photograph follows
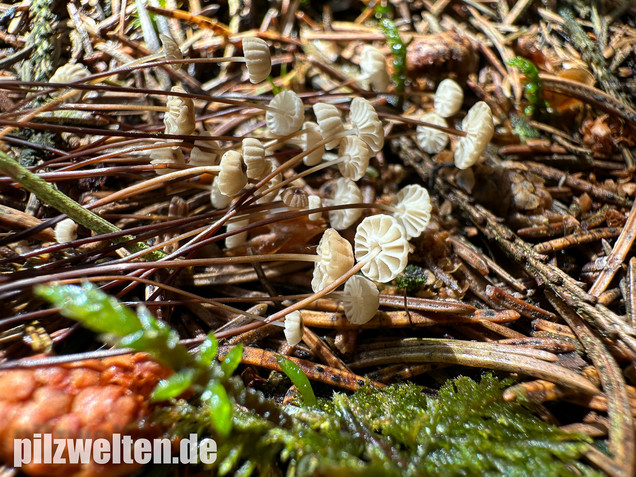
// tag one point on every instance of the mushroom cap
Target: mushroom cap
(373, 65)
(413, 209)
(336, 257)
(361, 300)
(344, 191)
(310, 137)
(293, 328)
(68, 73)
(329, 122)
(381, 242)
(356, 156)
(218, 200)
(295, 197)
(180, 116)
(238, 239)
(254, 158)
(429, 139)
(480, 128)
(65, 231)
(365, 120)
(291, 114)
(231, 178)
(171, 51)
(448, 98)
(277, 179)
(205, 153)
(257, 59)
(172, 156)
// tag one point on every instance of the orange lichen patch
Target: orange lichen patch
(86, 399)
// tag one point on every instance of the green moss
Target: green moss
(411, 279)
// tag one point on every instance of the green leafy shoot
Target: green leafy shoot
(299, 379)
(411, 279)
(533, 89)
(200, 373)
(398, 50)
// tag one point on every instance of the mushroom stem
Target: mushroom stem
(325, 291)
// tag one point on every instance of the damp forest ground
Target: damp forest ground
(507, 345)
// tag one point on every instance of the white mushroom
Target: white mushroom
(171, 51)
(204, 153)
(180, 117)
(286, 113)
(254, 158)
(231, 178)
(218, 200)
(448, 98)
(68, 73)
(344, 192)
(380, 243)
(412, 208)
(373, 65)
(330, 123)
(294, 328)
(368, 126)
(361, 299)
(335, 259)
(257, 59)
(295, 197)
(308, 140)
(272, 164)
(169, 156)
(65, 231)
(480, 128)
(314, 202)
(238, 239)
(355, 157)
(432, 140)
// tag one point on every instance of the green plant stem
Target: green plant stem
(60, 201)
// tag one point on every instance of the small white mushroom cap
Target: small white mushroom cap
(356, 156)
(218, 200)
(344, 191)
(257, 59)
(448, 98)
(480, 128)
(238, 239)
(231, 178)
(308, 140)
(295, 197)
(65, 231)
(412, 207)
(330, 123)
(254, 158)
(170, 156)
(313, 202)
(381, 243)
(429, 139)
(290, 115)
(180, 118)
(373, 65)
(272, 164)
(68, 73)
(336, 257)
(365, 120)
(205, 153)
(294, 328)
(361, 300)
(171, 51)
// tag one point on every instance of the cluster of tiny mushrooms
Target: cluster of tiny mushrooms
(381, 244)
